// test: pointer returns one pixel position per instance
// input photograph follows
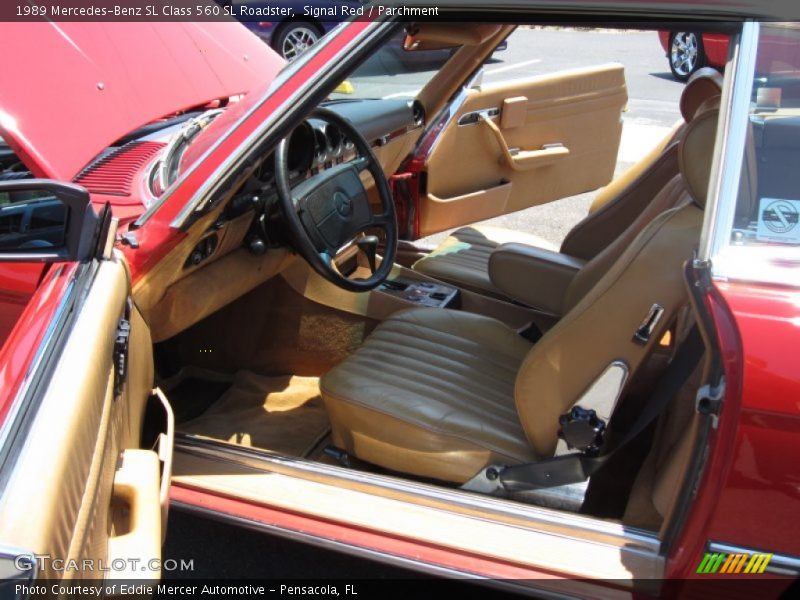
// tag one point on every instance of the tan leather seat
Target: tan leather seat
(439, 393)
(463, 258)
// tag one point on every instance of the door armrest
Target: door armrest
(533, 276)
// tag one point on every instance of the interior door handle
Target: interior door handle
(166, 444)
(136, 485)
(473, 118)
(523, 160)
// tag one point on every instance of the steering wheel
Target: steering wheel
(330, 212)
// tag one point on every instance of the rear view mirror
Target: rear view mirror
(45, 221)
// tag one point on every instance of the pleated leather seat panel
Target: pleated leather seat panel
(435, 385)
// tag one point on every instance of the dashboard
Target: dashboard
(314, 145)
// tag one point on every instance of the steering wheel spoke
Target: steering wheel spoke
(360, 163)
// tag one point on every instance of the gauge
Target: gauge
(320, 145)
(301, 148)
(334, 138)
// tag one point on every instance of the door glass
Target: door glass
(768, 204)
(31, 220)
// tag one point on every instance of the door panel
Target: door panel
(536, 140)
(61, 498)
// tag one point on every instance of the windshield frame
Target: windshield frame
(252, 102)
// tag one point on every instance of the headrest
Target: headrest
(705, 83)
(696, 150)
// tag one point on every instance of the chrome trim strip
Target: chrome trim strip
(723, 186)
(282, 114)
(475, 117)
(779, 564)
(283, 75)
(15, 413)
(21, 414)
(111, 239)
(551, 521)
(10, 555)
(445, 116)
(325, 543)
(189, 129)
(368, 553)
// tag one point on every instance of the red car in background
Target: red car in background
(688, 51)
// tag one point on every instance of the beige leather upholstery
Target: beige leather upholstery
(533, 276)
(424, 388)
(697, 151)
(615, 214)
(672, 195)
(565, 144)
(599, 330)
(463, 258)
(429, 393)
(68, 462)
(704, 83)
(610, 216)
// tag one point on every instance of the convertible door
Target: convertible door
(511, 145)
(83, 494)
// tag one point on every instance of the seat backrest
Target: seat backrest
(616, 209)
(600, 328)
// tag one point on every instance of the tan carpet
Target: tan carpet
(275, 331)
(284, 414)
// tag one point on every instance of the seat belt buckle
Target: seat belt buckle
(582, 430)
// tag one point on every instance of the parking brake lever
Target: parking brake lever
(369, 246)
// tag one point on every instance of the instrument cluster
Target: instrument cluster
(314, 145)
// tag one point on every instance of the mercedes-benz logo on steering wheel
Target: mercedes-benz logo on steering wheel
(343, 204)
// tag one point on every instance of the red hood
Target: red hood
(73, 89)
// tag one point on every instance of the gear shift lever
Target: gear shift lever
(369, 246)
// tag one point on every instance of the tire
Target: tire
(294, 38)
(686, 54)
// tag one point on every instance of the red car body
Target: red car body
(715, 46)
(763, 395)
(750, 489)
(107, 91)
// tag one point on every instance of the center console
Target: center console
(421, 292)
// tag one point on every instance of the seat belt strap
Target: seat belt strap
(576, 467)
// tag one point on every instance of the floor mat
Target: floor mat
(284, 414)
(192, 391)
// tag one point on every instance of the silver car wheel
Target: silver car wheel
(684, 53)
(297, 40)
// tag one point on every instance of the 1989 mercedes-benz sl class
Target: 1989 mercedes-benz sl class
(267, 345)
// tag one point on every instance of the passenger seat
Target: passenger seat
(620, 211)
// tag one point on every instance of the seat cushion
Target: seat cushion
(463, 258)
(430, 393)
